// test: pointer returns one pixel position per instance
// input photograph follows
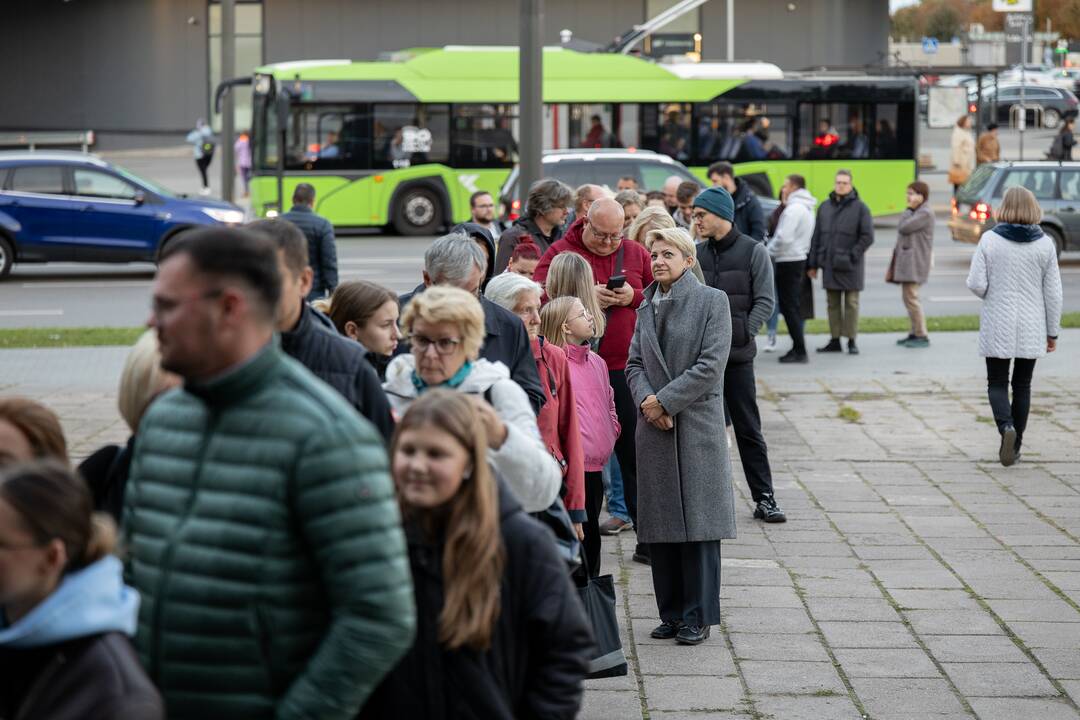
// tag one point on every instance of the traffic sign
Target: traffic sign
(1012, 5)
(929, 45)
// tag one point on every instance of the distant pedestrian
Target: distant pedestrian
(671, 189)
(483, 239)
(256, 472)
(322, 247)
(912, 258)
(367, 313)
(626, 182)
(676, 373)
(655, 198)
(566, 323)
(1061, 148)
(584, 197)
(632, 203)
(65, 648)
(685, 194)
(961, 153)
(306, 337)
(843, 232)
(788, 247)
(1015, 272)
(501, 632)
(242, 153)
(546, 208)
(29, 431)
(482, 209)
(988, 148)
(524, 259)
(203, 143)
(749, 217)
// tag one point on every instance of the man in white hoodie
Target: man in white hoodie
(788, 248)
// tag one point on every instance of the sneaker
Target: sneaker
(666, 630)
(917, 342)
(904, 340)
(833, 346)
(1007, 451)
(769, 511)
(614, 526)
(770, 343)
(794, 357)
(692, 634)
(205, 191)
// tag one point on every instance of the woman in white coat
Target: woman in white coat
(962, 153)
(1015, 272)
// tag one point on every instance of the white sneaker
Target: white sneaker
(204, 191)
(770, 343)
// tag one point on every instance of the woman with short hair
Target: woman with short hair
(912, 258)
(1015, 272)
(29, 431)
(367, 313)
(632, 203)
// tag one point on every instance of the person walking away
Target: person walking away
(676, 373)
(68, 617)
(546, 209)
(257, 470)
(749, 217)
(788, 247)
(1015, 272)
(202, 141)
(685, 194)
(335, 360)
(739, 265)
(367, 313)
(988, 148)
(322, 247)
(962, 153)
(558, 419)
(912, 258)
(1061, 148)
(843, 232)
(242, 153)
(525, 258)
(482, 211)
(500, 631)
(29, 431)
(567, 324)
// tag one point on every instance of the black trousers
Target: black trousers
(203, 163)
(625, 448)
(686, 581)
(789, 277)
(740, 398)
(594, 500)
(997, 387)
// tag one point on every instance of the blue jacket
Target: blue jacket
(322, 252)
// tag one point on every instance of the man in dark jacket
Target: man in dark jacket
(749, 217)
(322, 252)
(261, 525)
(843, 233)
(339, 362)
(458, 260)
(546, 209)
(740, 266)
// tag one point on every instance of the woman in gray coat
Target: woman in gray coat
(911, 259)
(676, 375)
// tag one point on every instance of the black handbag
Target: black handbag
(558, 520)
(598, 597)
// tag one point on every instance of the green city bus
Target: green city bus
(405, 141)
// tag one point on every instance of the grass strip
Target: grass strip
(941, 323)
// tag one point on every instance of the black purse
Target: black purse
(598, 598)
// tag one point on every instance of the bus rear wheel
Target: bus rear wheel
(418, 212)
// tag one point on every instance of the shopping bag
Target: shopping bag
(598, 596)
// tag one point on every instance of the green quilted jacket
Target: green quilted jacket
(264, 536)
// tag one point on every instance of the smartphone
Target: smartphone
(615, 282)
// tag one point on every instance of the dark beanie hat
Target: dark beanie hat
(718, 201)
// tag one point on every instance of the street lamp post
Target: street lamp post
(228, 68)
(531, 92)
(731, 30)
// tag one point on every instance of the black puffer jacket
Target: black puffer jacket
(844, 231)
(539, 652)
(340, 363)
(749, 217)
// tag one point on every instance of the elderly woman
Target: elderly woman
(558, 418)
(656, 218)
(632, 203)
(676, 375)
(445, 327)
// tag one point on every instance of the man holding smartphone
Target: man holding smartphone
(621, 270)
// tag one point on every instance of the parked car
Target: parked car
(1056, 103)
(75, 207)
(1056, 185)
(605, 167)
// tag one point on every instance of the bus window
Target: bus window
(590, 126)
(834, 130)
(886, 143)
(674, 140)
(406, 135)
(628, 127)
(741, 131)
(483, 136)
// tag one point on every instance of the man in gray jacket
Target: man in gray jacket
(322, 250)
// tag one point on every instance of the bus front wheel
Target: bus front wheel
(418, 212)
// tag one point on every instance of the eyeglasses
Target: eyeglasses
(584, 314)
(699, 215)
(605, 237)
(443, 346)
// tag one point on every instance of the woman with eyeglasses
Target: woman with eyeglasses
(445, 328)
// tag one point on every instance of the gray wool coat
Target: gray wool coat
(914, 245)
(679, 352)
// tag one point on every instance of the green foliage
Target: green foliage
(849, 413)
(68, 337)
(943, 23)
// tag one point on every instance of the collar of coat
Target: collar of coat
(241, 381)
(719, 245)
(678, 290)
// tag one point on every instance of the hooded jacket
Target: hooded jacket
(749, 217)
(522, 227)
(597, 418)
(523, 460)
(481, 233)
(790, 242)
(70, 657)
(558, 423)
(844, 231)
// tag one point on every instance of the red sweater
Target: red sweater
(558, 422)
(637, 266)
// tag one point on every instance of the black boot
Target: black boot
(852, 348)
(692, 634)
(1007, 451)
(769, 511)
(794, 357)
(833, 346)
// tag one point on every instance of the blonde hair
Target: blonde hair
(651, 218)
(675, 236)
(1019, 206)
(445, 304)
(552, 318)
(142, 379)
(571, 275)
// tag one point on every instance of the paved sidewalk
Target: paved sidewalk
(916, 578)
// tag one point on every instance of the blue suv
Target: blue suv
(74, 207)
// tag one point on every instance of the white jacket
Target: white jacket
(522, 461)
(1020, 286)
(790, 242)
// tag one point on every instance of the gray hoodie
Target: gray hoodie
(791, 240)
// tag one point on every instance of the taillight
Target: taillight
(515, 210)
(972, 107)
(980, 212)
(955, 207)
(1072, 101)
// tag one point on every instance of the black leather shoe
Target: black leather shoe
(769, 511)
(794, 357)
(641, 554)
(833, 346)
(852, 348)
(666, 630)
(1007, 451)
(692, 634)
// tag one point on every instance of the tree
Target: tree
(943, 23)
(906, 23)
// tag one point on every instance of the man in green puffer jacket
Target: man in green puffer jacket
(260, 520)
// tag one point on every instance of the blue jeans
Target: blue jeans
(613, 488)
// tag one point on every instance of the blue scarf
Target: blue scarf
(1018, 233)
(453, 383)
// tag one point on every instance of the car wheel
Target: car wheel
(418, 212)
(1055, 235)
(7, 257)
(1051, 118)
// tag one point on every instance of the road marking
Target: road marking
(29, 313)
(89, 285)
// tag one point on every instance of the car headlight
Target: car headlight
(232, 217)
